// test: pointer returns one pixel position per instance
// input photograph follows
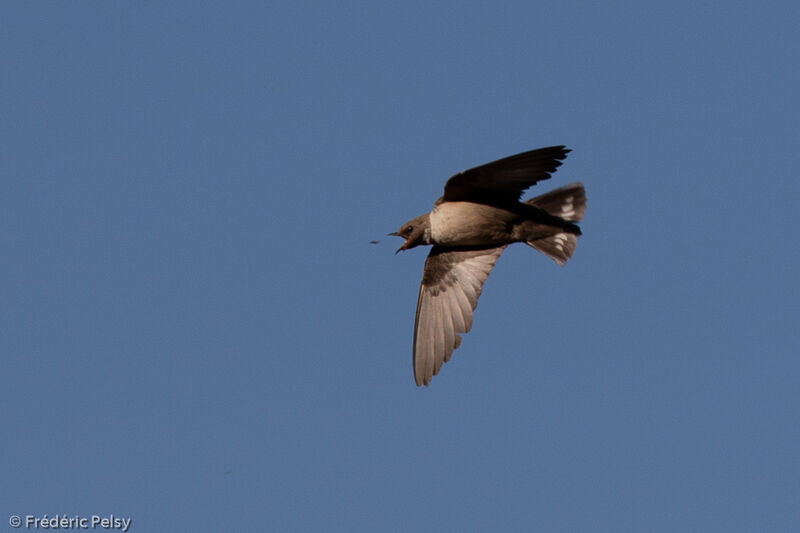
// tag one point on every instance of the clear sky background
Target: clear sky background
(197, 334)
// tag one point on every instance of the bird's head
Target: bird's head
(416, 231)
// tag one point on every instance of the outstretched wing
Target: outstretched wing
(451, 284)
(504, 180)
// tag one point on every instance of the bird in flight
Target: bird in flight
(476, 218)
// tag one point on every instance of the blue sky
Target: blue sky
(197, 335)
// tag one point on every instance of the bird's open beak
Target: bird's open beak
(403, 247)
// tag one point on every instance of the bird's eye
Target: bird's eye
(408, 229)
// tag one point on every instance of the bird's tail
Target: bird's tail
(567, 203)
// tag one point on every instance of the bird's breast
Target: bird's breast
(470, 224)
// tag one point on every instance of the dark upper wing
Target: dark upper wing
(451, 284)
(504, 179)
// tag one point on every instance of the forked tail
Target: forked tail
(567, 203)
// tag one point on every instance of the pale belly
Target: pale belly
(468, 224)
